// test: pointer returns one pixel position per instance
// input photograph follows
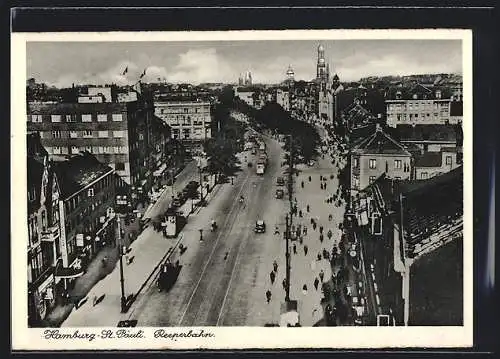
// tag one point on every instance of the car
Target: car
(249, 164)
(260, 226)
(177, 203)
(280, 181)
(127, 323)
(279, 194)
(193, 184)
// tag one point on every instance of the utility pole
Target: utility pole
(123, 300)
(287, 257)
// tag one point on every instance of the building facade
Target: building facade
(43, 233)
(86, 212)
(376, 155)
(422, 106)
(119, 134)
(432, 164)
(189, 120)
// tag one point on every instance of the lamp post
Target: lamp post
(123, 300)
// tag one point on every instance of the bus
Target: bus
(261, 167)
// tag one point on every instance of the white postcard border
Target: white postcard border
(24, 338)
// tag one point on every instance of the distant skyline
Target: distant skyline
(64, 63)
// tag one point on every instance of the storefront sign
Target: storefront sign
(79, 240)
(62, 242)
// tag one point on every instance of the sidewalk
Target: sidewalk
(93, 274)
(305, 268)
(148, 251)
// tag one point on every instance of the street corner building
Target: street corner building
(70, 218)
(118, 127)
(412, 237)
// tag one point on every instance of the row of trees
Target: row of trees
(221, 150)
(305, 137)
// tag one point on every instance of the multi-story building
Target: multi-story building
(412, 235)
(422, 105)
(245, 94)
(190, 121)
(117, 133)
(86, 212)
(429, 138)
(43, 232)
(431, 164)
(375, 155)
(283, 99)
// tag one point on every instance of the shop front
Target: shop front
(41, 297)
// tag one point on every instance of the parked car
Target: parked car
(260, 226)
(279, 194)
(177, 203)
(280, 181)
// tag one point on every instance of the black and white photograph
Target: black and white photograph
(303, 179)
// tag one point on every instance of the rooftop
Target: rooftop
(436, 132)
(380, 143)
(429, 203)
(429, 159)
(436, 287)
(34, 177)
(78, 172)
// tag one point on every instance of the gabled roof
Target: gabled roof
(430, 202)
(357, 115)
(78, 172)
(380, 143)
(34, 173)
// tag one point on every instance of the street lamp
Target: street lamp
(123, 300)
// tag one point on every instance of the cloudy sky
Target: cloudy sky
(64, 63)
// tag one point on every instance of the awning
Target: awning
(160, 170)
(67, 273)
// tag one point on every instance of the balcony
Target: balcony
(51, 234)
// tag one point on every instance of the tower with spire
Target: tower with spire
(290, 74)
(322, 68)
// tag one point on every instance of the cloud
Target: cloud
(201, 65)
(111, 75)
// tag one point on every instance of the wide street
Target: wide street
(226, 273)
(224, 278)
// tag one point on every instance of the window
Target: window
(449, 160)
(373, 163)
(397, 164)
(103, 134)
(90, 192)
(120, 166)
(87, 118)
(74, 150)
(56, 134)
(73, 134)
(36, 118)
(117, 149)
(102, 117)
(355, 162)
(69, 118)
(423, 175)
(87, 133)
(55, 118)
(56, 150)
(117, 117)
(372, 179)
(118, 134)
